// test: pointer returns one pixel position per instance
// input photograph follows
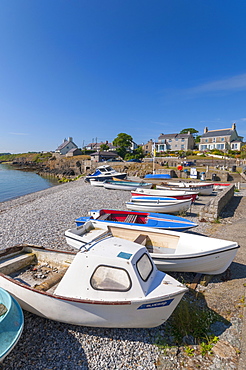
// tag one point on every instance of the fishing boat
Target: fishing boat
(111, 282)
(156, 220)
(126, 185)
(11, 323)
(203, 188)
(170, 250)
(176, 193)
(159, 205)
(105, 172)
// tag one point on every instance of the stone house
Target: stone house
(66, 146)
(224, 139)
(175, 142)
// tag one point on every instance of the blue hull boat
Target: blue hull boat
(156, 220)
(11, 323)
(157, 176)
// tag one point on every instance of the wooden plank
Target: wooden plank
(104, 216)
(141, 239)
(49, 283)
(17, 262)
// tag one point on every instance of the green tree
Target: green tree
(190, 130)
(122, 143)
(104, 146)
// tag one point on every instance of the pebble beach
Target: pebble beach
(41, 218)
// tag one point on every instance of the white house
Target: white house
(224, 139)
(66, 146)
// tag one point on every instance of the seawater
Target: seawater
(15, 183)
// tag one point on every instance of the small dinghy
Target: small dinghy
(125, 185)
(105, 172)
(203, 188)
(159, 205)
(156, 220)
(11, 323)
(178, 194)
(110, 282)
(170, 250)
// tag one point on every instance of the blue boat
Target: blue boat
(157, 176)
(156, 220)
(11, 323)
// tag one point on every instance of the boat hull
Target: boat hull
(115, 314)
(178, 194)
(143, 219)
(129, 186)
(11, 324)
(159, 208)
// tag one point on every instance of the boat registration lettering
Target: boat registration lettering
(124, 255)
(156, 304)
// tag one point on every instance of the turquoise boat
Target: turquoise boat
(11, 323)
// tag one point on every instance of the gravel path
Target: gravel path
(41, 218)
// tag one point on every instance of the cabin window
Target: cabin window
(144, 267)
(110, 278)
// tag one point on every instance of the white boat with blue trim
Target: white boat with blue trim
(170, 250)
(105, 172)
(146, 219)
(110, 282)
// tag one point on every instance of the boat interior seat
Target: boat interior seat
(17, 262)
(141, 239)
(104, 216)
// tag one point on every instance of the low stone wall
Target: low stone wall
(211, 210)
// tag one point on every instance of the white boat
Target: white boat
(110, 283)
(176, 193)
(170, 250)
(203, 188)
(162, 205)
(95, 182)
(126, 185)
(105, 172)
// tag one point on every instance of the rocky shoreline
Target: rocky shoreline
(41, 218)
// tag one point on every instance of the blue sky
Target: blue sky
(92, 69)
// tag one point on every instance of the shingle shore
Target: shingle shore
(41, 218)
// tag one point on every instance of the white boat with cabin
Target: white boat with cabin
(109, 283)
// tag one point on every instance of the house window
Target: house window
(214, 139)
(170, 140)
(206, 140)
(222, 139)
(182, 139)
(111, 279)
(220, 146)
(182, 146)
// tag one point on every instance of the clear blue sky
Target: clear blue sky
(92, 69)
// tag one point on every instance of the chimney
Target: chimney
(70, 138)
(64, 140)
(233, 127)
(205, 130)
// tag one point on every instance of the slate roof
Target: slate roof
(170, 136)
(65, 143)
(222, 132)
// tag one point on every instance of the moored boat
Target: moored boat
(109, 283)
(178, 194)
(11, 323)
(146, 219)
(125, 185)
(154, 204)
(203, 188)
(105, 172)
(170, 250)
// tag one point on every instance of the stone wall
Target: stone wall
(211, 210)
